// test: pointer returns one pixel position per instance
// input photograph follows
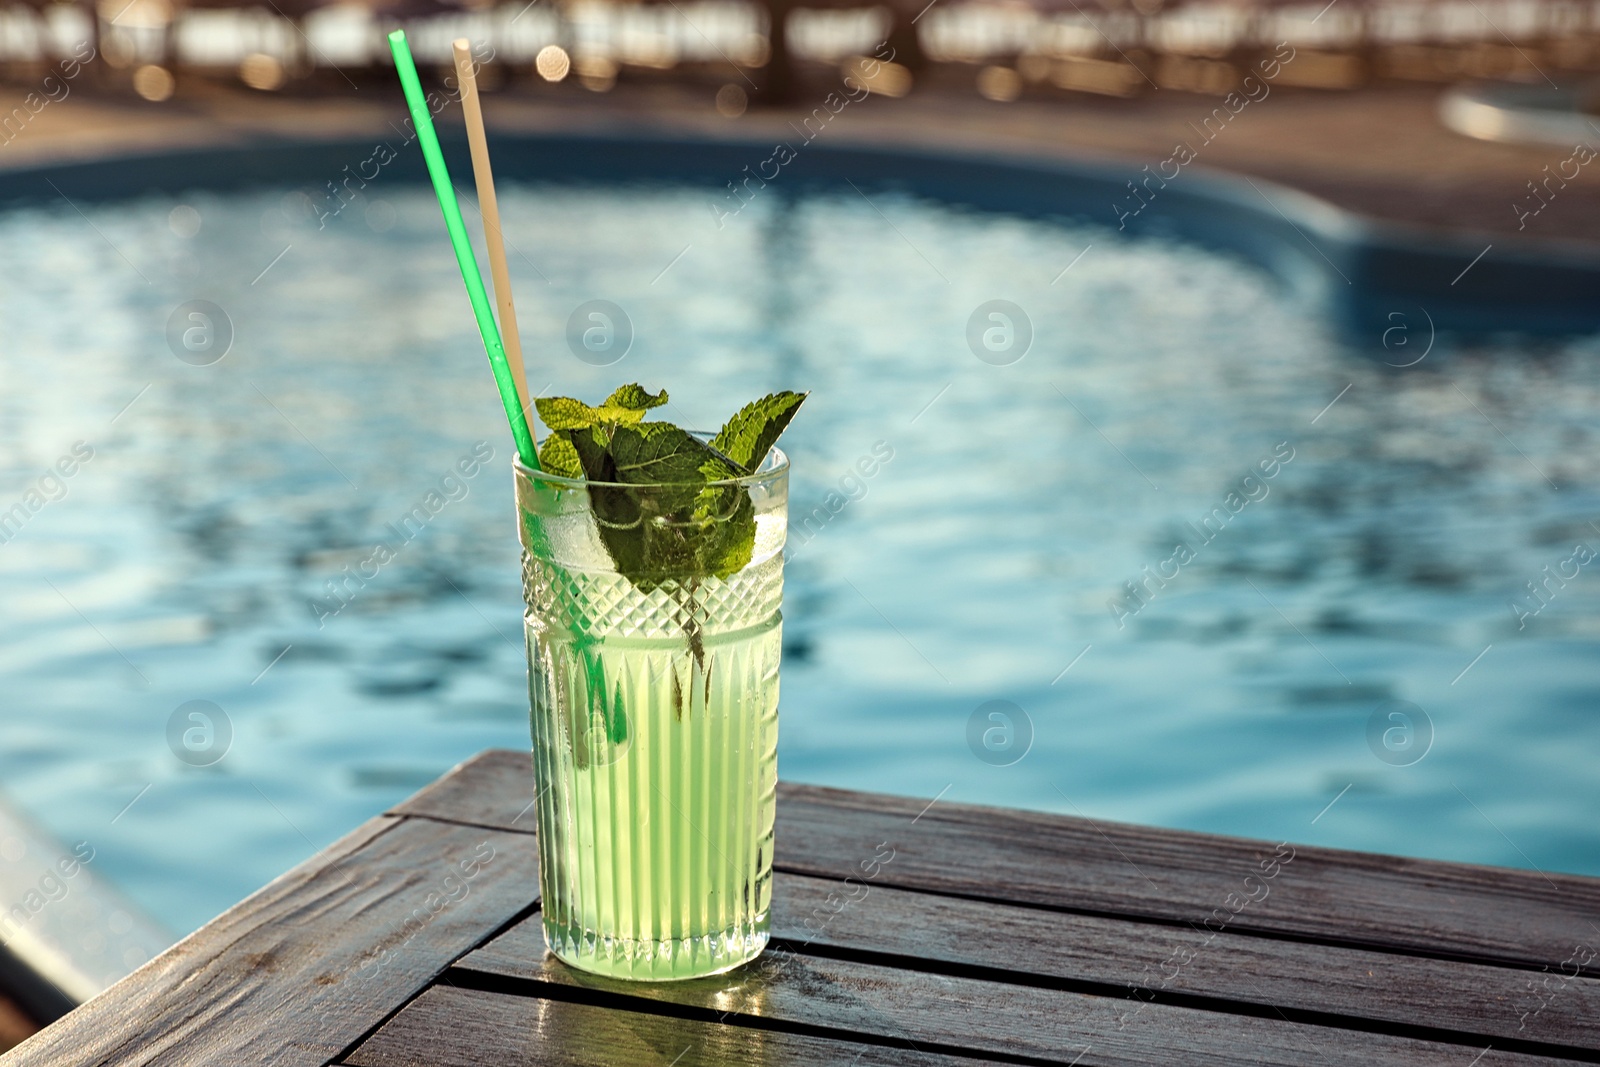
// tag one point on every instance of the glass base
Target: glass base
(658, 961)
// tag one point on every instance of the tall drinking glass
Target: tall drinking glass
(655, 730)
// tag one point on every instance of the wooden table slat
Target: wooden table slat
(1020, 1023)
(1173, 961)
(448, 1027)
(1425, 906)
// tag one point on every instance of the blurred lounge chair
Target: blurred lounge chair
(38, 13)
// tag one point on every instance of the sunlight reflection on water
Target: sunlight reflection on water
(975, 564)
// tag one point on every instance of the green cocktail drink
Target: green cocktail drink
(654, 691)
(653, 572)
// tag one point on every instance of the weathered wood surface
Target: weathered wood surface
(905, 933)
(1178, 964)
(493, 789)
(1439, 909)
(903, 1005)
(1359, 898)
(448, 1027)
(300, 970)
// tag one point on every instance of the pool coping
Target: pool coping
(1369, 274)
(54, 901)
(1519, 114)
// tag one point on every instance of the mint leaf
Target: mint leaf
(659, 453)
(727, 516)
(593, 446)
(652, 485)
(618, 511)
(564, 413)
(747, 437)
(626, 406)
(634, 398)
(674, 538)
(557, 456)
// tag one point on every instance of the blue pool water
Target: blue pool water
(1376, 565)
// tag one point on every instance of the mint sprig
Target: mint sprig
(748, 436)
(652, 489)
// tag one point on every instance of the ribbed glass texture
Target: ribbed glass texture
(655, 727)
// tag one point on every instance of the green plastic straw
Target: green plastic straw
(468, 262)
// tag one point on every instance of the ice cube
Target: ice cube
(575, 541)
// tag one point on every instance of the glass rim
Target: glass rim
(773, 466)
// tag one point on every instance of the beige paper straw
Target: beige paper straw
(489, 205)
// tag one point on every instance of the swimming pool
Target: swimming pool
(1244, 689)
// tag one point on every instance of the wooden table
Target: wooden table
(904, 933)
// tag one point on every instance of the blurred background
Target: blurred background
(219, 389)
